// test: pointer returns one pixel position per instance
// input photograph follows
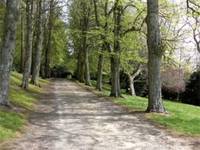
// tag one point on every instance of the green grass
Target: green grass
(181, 118)
(12, 122)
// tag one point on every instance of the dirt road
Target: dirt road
(71, 118)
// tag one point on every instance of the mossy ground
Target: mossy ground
(12, 121)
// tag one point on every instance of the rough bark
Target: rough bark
(105, 45)
(29, 39)
(49, 40)
(99, 85)
(81, 66)
(155, 103)
(22, 43)
(85, 26)
(87, 69)
(38, 43)
(115, 58)
(7, 48)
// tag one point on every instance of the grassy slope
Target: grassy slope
(10, 121)
(182, 118)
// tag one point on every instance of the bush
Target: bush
(60, 72)
(192, 93)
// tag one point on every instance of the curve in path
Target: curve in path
(71, 118)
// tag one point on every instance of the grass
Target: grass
(182, 118)
(10, 121)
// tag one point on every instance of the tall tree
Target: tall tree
(48, 48)
(101, 58)
(22, 41)
(7, 48)
(85, 20)
(29, 39)
(105, 45)
(155, 52)
(115, 58)
(38, 43)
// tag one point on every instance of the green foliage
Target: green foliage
(59, 44)
(133, 52)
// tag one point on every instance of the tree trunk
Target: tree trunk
(22, 43)
(87, 68)
(86, 57)
(29, 39)
(105, 45)
(115, 58)
(8, 46)
(99, 84)
(49, 40)
(81, 66)
(100, 61)
(115, 77)
(155, 103)
(39, 42)
(85, 26)
(132, 79)
(132, 88)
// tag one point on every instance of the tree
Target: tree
(133, 57)
(155, 52)
(22, 41)
(115, 56)
(193, 6)
(7, 48)
(38, 43)
(103, 36)
(29, 39)
(85, 27)
(48, 48)
(80, 23)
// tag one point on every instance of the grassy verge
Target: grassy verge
(182, 118)
(24, 100)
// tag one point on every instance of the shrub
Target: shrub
(192, 93)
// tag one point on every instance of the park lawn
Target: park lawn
(181, 118)
(13, 121)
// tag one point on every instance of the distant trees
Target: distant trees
(105, 45)
(118, 25)
(81, 25)
(173, 83)
(48, 46)
(7, 47)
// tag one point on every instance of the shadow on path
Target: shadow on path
(71, 118)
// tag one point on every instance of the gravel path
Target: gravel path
(71, 118)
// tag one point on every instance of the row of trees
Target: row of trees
(100, 39)
(117, 29)
(31, 29)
